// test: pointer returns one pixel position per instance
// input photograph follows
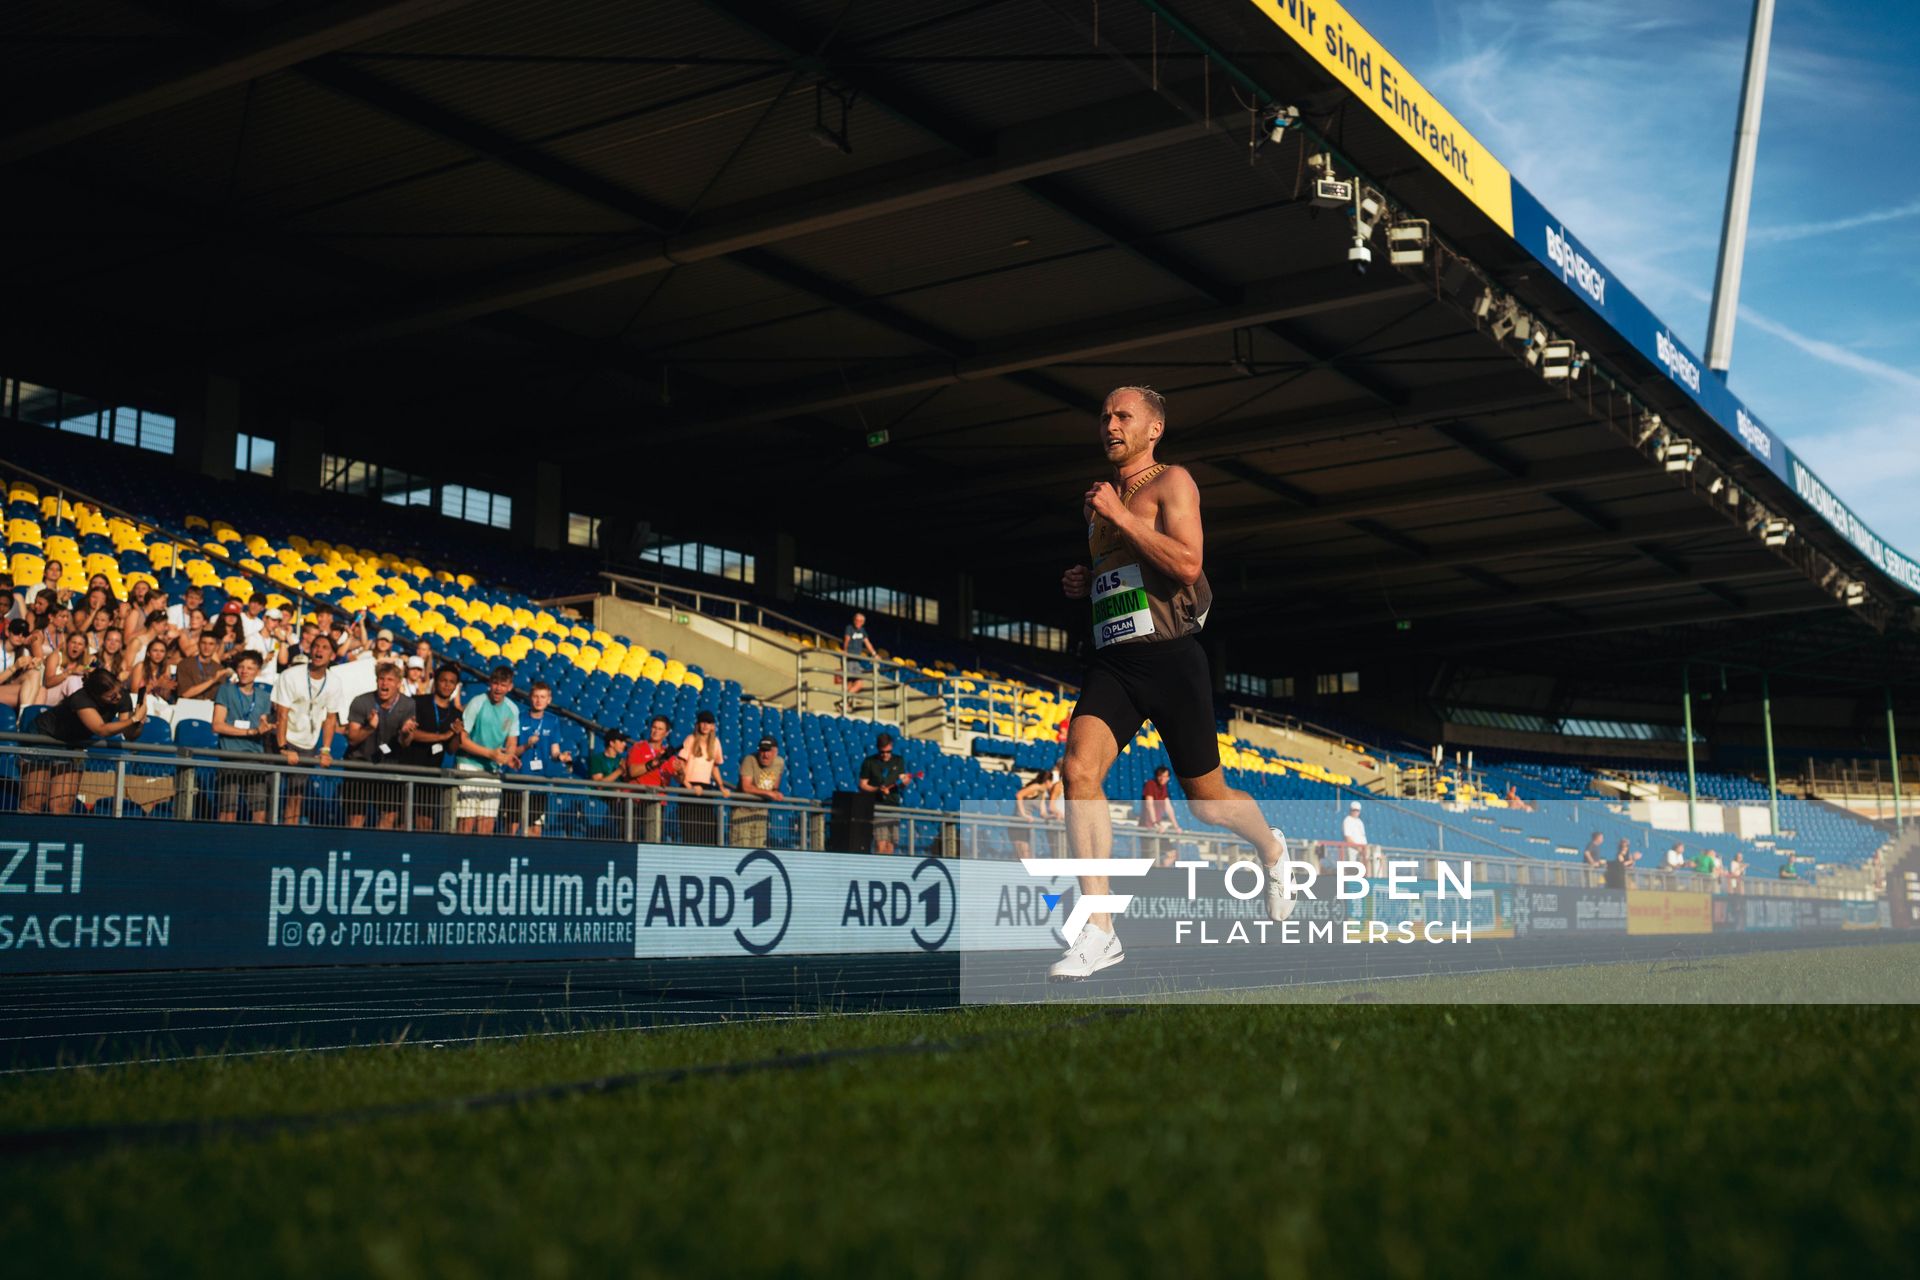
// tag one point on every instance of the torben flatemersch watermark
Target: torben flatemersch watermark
(1246, 880)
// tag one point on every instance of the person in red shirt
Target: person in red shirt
(1156, 813)
(653, 763)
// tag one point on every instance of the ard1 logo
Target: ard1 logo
(927, 903)
(757, 900)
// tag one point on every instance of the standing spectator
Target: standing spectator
(374, 723)
(200, 674)
(652, 763)
(882, 775)
(1353, 834)
(1626, 854)
(11, 606)
(859, 652)
(98, 709)
(1046, 788)
(21, 665)
(1673, 864)
(1156, 804)
(489, 746)
(242, 719)
(1042, 788)
(181, 615)
(702, 756)
(543, 753)
(309, 703)
(609, 764)
(419, 679)
(701, 760)
(1617, 868)
(762, 772)
(382, 650)
(422, 653)
(1707, 865)
(426, 740)
(49, 585)
(1737, 873)
(1155, 812)
(1592, 857)
(760, 777)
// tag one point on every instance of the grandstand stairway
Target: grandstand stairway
(1369, 772)
(778, 661)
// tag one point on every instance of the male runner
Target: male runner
(1150, 599)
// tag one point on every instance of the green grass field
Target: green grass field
(1293, 1139)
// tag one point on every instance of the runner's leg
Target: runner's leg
(1092, 747)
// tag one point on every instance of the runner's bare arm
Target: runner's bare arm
(1175, 547)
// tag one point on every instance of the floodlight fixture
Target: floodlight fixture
(1407, 243)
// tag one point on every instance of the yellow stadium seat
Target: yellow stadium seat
(693, 680)
(545, 646)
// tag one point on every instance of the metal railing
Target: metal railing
(826, 677)
(153, 782)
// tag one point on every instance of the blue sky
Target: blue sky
(1619, 115)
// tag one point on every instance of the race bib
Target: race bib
(1120, 607)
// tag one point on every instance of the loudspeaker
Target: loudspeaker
(850, 822)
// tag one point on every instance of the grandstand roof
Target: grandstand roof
(704, 255)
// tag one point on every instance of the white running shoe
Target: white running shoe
(1095, 949)
(1279, 903)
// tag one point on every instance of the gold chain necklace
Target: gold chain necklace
(1144, 478)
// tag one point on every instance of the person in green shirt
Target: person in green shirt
(609, 763)
(1707, 863)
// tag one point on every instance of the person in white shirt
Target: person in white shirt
(49, 585)
(181, 615)
(253, 621)
(1676, 859)
(419, 679)
(312, 706)
(1353, 834)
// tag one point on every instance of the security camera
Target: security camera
(1332, 193)
(1279, 120)
(1360, 256)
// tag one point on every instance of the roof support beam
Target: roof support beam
(1130, 126)
(1488, 551)
(221, 65)
(1193, 443)
(1580, 589)
(1310, 293)
(1593, 468)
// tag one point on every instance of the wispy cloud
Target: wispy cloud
(1841, 357)
(1809, 230)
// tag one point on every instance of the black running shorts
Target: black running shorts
(1165, 681)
